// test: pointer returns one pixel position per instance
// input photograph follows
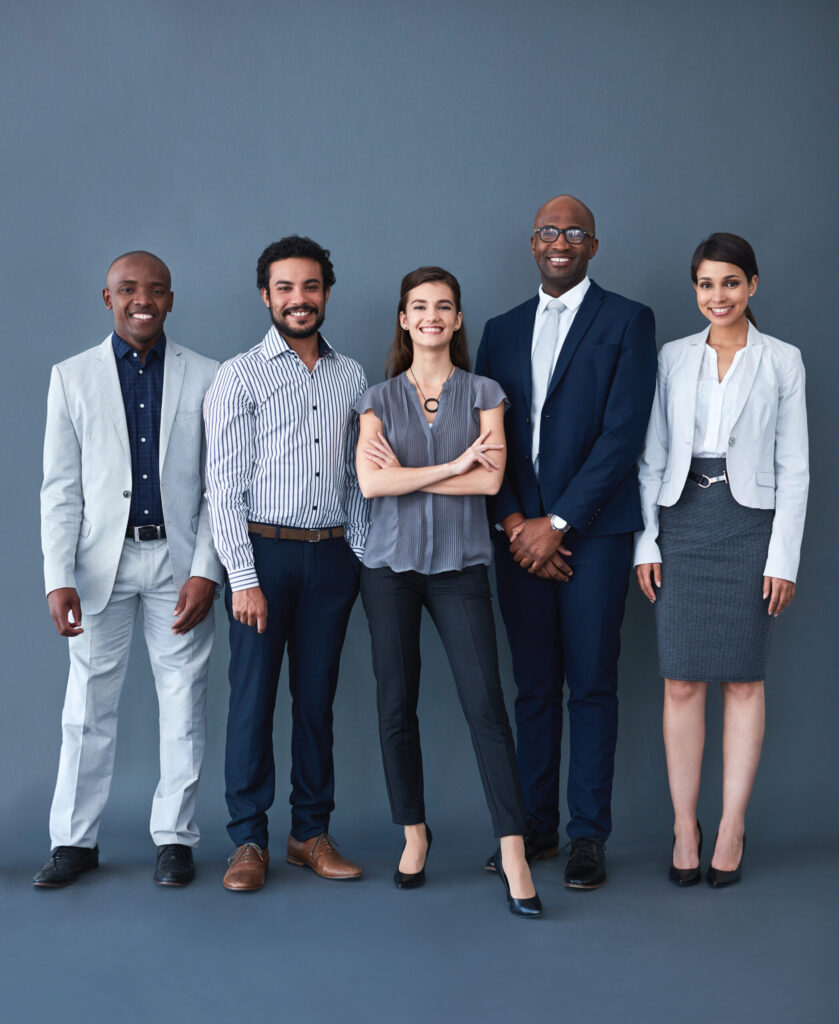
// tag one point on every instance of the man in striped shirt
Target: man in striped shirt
(289, 523)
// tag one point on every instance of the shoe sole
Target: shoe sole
(173, 885)
(242, 888)
(330, 878)
(577, 885)
(544, 855)
(63, 885)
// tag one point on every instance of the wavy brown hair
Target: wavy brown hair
(401, 353)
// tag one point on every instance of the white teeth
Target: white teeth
(560, 259)
(141, 316)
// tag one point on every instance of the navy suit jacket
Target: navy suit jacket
(594, 418)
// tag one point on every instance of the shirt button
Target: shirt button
(317, 472)
(143, 440)
(135, 355)
(145, 511)
(126, 494)
(314, 407)
(141, 373)
(314, 508)
(731, 440)
(317, 440)
(142, 405)
(145, 476)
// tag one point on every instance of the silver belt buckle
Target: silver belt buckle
(314, 536)
(704, 482)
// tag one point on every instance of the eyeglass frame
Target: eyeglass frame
(561, 231)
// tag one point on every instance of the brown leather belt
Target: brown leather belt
(291, 533)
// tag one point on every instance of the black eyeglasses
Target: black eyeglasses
(574, 236)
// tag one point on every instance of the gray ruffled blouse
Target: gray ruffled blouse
(429, 533)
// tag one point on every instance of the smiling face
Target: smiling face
(430, 316)
(562, 265)
(139, 292)
(723, 292)
(296, 297)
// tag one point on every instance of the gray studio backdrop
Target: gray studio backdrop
(401, 134)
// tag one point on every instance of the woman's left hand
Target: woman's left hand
(379, 451)
(780, 593)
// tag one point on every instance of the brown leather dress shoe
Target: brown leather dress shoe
(247, 870)
(319, 854)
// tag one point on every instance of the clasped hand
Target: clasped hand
(379, 452)
(537, 547)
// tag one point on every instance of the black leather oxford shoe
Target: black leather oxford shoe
(586, 868)
(65, 865)
(174, 865)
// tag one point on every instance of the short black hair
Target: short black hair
(294, 247)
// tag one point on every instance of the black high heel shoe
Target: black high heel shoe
(529, 907)
(415, 880)
(720, 879)
(686, 876)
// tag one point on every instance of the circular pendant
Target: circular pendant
(431, 404)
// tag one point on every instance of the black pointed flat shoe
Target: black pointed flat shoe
(720, 879)
(416, 879)
(686, 876)
(529, 907)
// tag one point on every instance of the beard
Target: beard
(287, 328)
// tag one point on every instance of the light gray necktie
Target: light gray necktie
(542, 366)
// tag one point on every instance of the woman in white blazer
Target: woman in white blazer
(724, 478)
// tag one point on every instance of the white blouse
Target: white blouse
(715, 400)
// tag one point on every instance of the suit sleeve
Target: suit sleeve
(205, 561)
(651, 467)
(625, 419)
(505, 502)
(61, 491)
(792, 475)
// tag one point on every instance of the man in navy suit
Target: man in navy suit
(578, 364)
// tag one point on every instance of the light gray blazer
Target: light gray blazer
(767, 460)
(85, 497)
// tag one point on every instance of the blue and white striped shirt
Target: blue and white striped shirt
(281, 449)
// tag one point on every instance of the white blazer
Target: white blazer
(767, 460)
(86, 494)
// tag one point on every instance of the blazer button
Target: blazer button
(126, 494)
(731, 440)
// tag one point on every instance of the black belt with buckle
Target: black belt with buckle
(706, 481)
(146, 532)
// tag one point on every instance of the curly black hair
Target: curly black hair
(291, 247)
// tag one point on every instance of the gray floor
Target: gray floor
(115, 947)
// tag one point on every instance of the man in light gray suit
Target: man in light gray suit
(124, 525)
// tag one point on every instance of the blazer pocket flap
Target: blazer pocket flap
(765, 479)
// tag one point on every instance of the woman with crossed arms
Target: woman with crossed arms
(724, 479)
(431, 445)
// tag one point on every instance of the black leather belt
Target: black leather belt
(146, 532)
(706, 481)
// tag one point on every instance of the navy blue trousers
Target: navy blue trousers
(310, 590)
(567, 632)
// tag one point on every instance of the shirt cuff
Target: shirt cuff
(242, 579)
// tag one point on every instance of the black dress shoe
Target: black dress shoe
(537, 846)
(174, 865)
(414, 880)
(686, 876)
(531, 906)
(720, 879)
(65, 865)
(586, 868)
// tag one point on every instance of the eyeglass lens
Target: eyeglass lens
(549, 233)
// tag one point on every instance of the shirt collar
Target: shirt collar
(122, 348)
(274, 344)
(572, 299)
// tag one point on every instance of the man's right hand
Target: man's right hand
(64, 602)
(250, 608)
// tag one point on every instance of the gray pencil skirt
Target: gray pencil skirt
(711, 618)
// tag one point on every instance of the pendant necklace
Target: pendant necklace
(430, 404)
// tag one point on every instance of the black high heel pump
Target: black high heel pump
(686, 876)
(531, 906)
(416, 879)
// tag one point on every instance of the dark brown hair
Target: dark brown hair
(401, 353)
(722, 247)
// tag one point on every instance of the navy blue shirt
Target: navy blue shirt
(142, 395)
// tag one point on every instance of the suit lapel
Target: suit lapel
(173, 378)
(693, 364)
(523, 344)
(108, 380)
(589, 308)
(748, 371)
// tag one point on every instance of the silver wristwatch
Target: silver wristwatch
(558, 524)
